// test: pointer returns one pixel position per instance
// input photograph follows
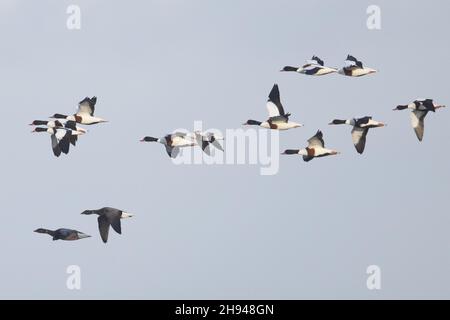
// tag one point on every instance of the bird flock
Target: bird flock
(64, 131)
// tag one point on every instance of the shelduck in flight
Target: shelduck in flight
(85, 113)
(360, 129)
(278, 119)
(419, 109)
(313, 67)
(60, 138)
(173, 142)
(315, 149)
(354, 68)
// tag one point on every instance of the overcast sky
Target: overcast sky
(224, 231)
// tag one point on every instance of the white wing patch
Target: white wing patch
(272, 109)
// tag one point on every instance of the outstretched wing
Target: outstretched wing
(274, 106)
(317, 60)
(87, 106)
(172, 151)
(55, 146)
(103, 227)
(417, 122)
(352, 61)
(359, 138)
(316, 140)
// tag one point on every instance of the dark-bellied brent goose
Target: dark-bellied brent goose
(108, 217)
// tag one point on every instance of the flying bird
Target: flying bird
(315, 149)
(360, 129)
(313, 67)
(173, 142)
(278, 118)
(60, 138)
(354, 68)
(419, 109)
(63, 234)
(108, 217)
(85, 113)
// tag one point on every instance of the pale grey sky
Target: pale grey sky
(207, 232)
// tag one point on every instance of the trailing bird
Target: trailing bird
(173, 142)
(315, 149)
(63, 234)
(354, 68)
(278, 118)
(360, 129)
(419, 109)
(108, 217)
(313, 67)
(85, 113)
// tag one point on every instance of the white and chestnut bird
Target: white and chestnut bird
(85, 113)
(207, 139)
(360, 129)
(313, 67)
(419, 109)
(63, 234)
(60, 138)
(278, 118)
(173, 142)
(354, 68)
(108, 217)
(315, 149)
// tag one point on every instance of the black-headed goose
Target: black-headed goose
(85, 113)
(354, 68)
(63, 234)
(108, 217)
(173, 142)
(419, 109)
(278, 118)
(360, 129)
(60, 138)
(206, 139)
(313, 67)
(315, 149)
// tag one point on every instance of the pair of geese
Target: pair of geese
(315, 67)
(279, 120)
(107, 217)
(63, 129)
